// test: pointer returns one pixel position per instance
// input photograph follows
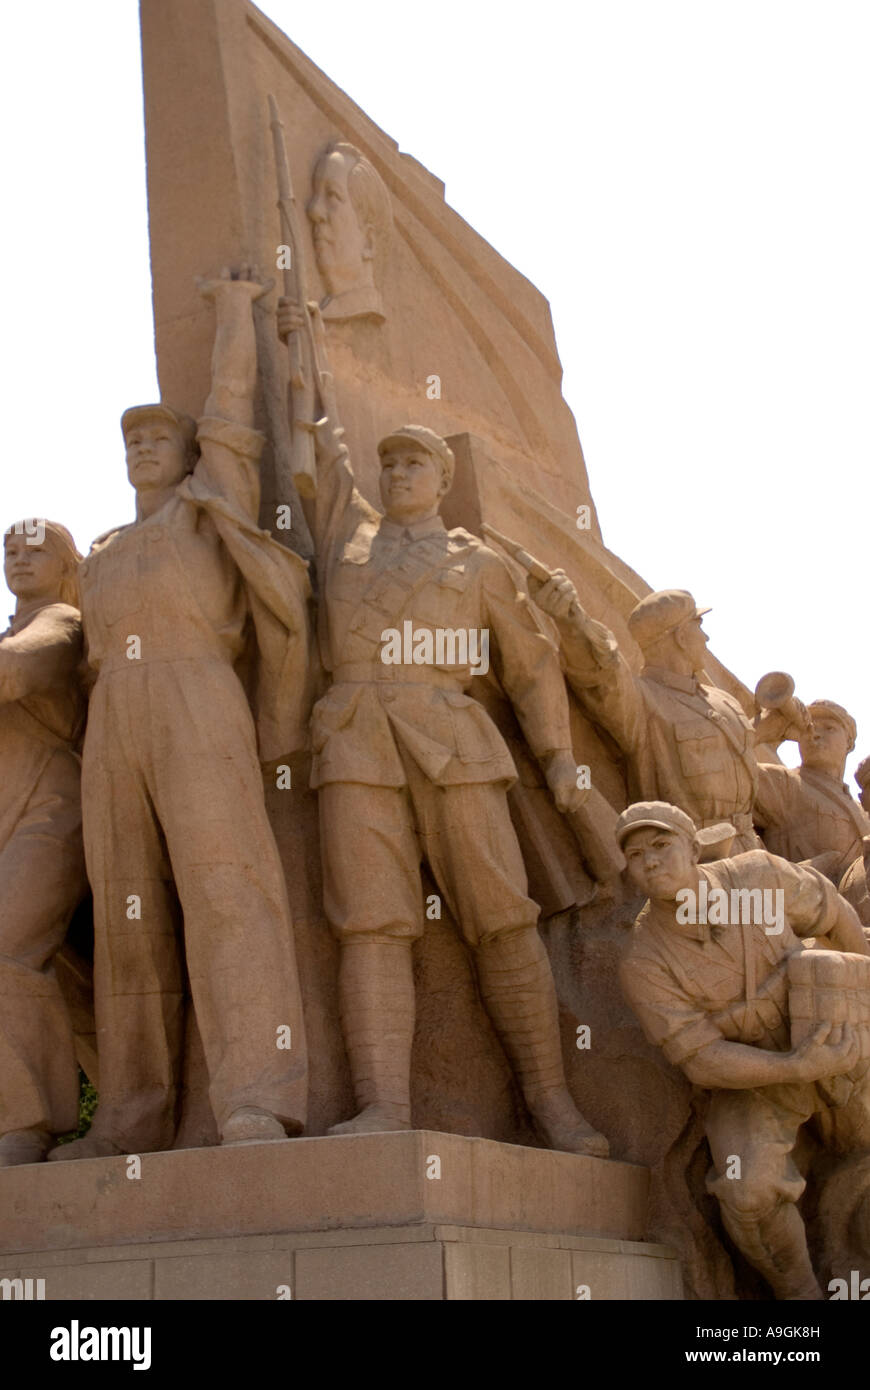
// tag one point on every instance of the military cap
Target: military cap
(425, 439)
(658, 814)
(660, 613)
(156, 410)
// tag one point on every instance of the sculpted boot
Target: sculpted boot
(24, 1146)
(776, 1245)
(376, 993)
(517, 987)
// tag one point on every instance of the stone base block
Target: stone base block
(390, 1263)
(416, 1216)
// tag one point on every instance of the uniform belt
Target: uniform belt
(741, 820)
(381, 673)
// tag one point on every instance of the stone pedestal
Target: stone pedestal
(418, 1215)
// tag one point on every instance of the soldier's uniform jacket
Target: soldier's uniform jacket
(693, 984)
(375, 576)
(804, 813)
(685, 743)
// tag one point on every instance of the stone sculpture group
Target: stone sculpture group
(145, 686)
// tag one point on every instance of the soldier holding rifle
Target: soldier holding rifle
(409, 766)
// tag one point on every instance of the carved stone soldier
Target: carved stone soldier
(684, 741)
(715, 992)
(808, 812)
(42, 870)
(172, 785)
(409, 766)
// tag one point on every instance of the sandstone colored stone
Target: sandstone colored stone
(476, 1272)
(540, 1275)
(623, 1277)
(121, 1280)
(395, 1273)
(314, 1184)
(259, 1275)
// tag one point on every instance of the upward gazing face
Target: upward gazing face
(412, 483)
(342, 247)
(660, 862)
(826, 746)
(156, 455)
(693, 640)
(33, 569)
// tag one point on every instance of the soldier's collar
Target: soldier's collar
(664, 916)
(824, 780)
(433, 525)
(690, 684)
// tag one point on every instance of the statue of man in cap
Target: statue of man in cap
(42, 868)
(808, 812)
(684, 741)
(174, 811)
(410, 766)
(710, 982)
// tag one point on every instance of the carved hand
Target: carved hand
(561, 774)
(328, 439)
(829, 1051)
(558, 597)
(245, 280)
(290, 316)
(774, 726)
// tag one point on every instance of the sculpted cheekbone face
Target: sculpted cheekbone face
(825, 746)
(660, 862)
(156, 455)
(411, 484)
(33, 569)
(340, 243)
(694, 642)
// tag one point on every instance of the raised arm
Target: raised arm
(234, 357)
(338, 508)
(595, 668)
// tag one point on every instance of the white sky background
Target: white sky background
(685, 180)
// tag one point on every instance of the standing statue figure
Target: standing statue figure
(718, 978)
(808, 812)
(172, 785)
(684, 741)
(409, 766)
(42, 871)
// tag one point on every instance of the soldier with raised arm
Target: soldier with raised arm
(684, 741)
(42, 869)
(808, 812)
(409, 766)
(174, 810)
